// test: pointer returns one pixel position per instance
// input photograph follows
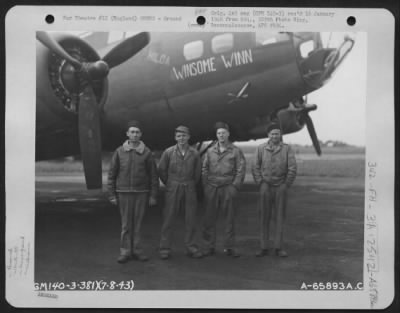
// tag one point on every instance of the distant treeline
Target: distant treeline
(299, 149)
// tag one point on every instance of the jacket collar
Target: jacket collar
(229, 146)
(272, 148)
(127, 146)
(178, 151)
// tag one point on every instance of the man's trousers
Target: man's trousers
(132, 206)
(177, 196)
(219, 199)
(272, 202)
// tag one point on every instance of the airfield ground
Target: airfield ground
(77, 234)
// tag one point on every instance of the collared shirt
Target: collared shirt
(274, 164)
(177, 167)
(132, 169)
(128, 146)
(273, 148)
(224, 168)
(182, 151)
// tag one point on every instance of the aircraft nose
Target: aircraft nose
(313, 66)
(321, 63)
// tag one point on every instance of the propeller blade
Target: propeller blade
(126, 49)
(55, 47)
(312, 132)
(90, 138)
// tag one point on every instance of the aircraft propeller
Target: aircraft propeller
(312, 132)
(84, 74)
(305, 117)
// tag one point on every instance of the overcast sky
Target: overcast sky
(341, 102)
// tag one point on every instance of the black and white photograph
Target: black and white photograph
(170, 160)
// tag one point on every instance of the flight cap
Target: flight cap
(219, 125)
(182, 129)
(272, 126)
(135, 124)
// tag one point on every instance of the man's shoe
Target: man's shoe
(140, 257)
(262, 252)
(123, 259)
(281, 253)
(231, 252)
(209, 252)
(164, 255)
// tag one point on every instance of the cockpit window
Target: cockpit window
(222, 43)
(193, 50)
(267, 38)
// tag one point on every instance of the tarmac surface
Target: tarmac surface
(77, 239)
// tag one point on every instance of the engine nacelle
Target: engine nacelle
(290, 120)
(57, 96)
(56, 81)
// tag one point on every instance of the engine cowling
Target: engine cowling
(290, 120)
(57, 97)
(56, 84)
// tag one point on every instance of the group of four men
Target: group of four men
(133, 182)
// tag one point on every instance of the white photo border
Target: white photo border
(20, 168)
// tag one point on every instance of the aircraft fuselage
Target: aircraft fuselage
(193, 79)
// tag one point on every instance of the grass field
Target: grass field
(308, 150)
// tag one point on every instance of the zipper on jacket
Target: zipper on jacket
(130, 168)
